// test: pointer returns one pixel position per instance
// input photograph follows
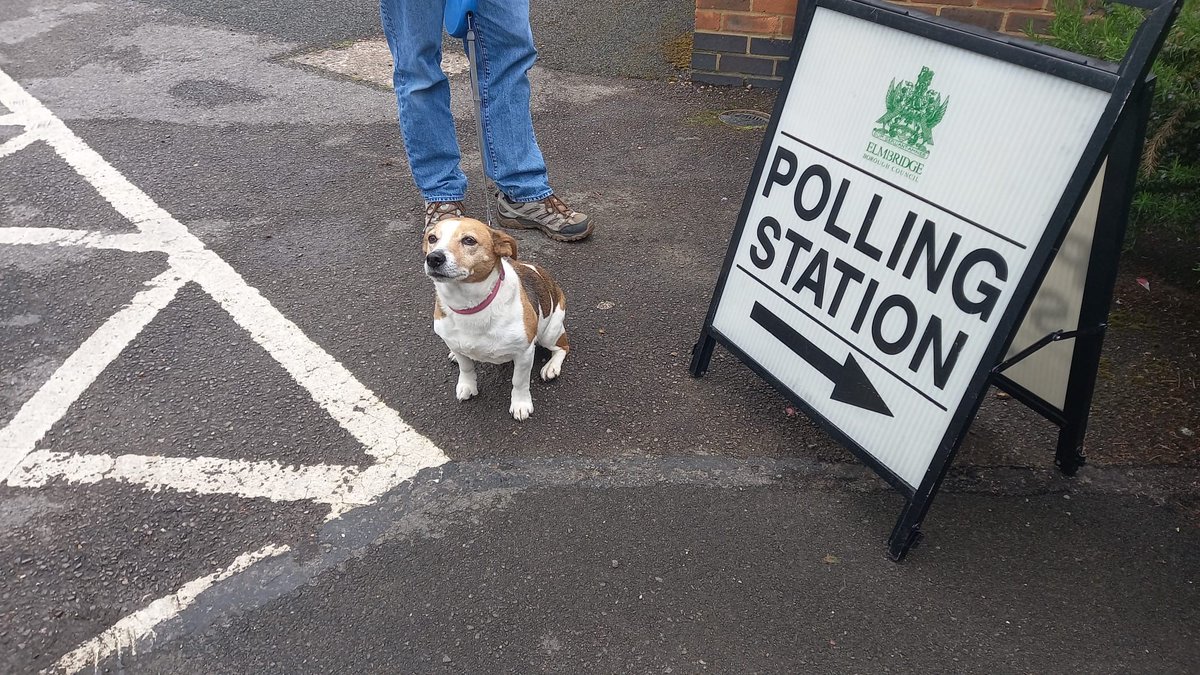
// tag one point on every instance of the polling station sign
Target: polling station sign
(911, 190)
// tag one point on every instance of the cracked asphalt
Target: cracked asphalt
(641, 521)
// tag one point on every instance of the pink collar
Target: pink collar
(486, 301)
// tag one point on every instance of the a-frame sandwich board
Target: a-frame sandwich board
(912, 191)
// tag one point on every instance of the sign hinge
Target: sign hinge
(1047, 339)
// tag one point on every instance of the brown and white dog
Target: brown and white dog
(492, 307)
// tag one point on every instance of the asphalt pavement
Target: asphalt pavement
(231, 442)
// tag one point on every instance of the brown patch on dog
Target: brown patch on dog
(540, 287)
(563, 343)
(531, 318)
(472, 244)
(438, 313)
(480, 257)
(504, 245)
(562, 297)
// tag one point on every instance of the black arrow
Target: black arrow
(850, 384)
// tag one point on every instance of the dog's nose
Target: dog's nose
(436, 259)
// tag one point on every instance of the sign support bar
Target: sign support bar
(1101, 276)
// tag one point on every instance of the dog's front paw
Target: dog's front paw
(551, 370)
(466, 388)
(521, 408)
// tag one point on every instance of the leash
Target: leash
(460, 23)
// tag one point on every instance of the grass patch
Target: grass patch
(1122, 318)
(705, 118)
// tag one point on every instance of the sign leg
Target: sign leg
(702, 354)
(1069, 456)
(907, 533)
(1115, 202)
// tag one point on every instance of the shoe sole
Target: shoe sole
(518, 224)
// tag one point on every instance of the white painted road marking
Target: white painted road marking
(125, 634)
(80, 370)
(35, 236)
(16, 144)
(197, 475)
(400, 452)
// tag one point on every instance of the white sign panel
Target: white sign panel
(1046, 372)
(905, 188)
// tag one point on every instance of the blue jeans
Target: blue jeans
(504, 43)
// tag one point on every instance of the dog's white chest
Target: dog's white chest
(492, 339)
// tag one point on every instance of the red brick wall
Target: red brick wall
(741, 42)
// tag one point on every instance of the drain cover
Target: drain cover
(745, 119)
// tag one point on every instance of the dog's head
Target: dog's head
(464, 249)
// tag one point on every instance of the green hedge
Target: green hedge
(1168, 194)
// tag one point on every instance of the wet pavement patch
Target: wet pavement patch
(128, 58)
(51, 300)
(493, 573)
(76, 559)
(213, 92)
(324, 22)
(194, 383)
(41, 190)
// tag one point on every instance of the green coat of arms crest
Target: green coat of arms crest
(913, 110)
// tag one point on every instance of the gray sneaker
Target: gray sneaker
(436, 211)
(550, 215)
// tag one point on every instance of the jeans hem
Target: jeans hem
(443, 198)
(537, 198)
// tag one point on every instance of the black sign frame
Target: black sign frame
(1118, 137)
(1088, 334)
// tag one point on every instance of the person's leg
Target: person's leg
(414, 35)
(506, 53)
(514, 161)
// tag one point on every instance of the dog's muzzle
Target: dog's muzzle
(437, 266)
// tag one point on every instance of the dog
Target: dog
(492, 307)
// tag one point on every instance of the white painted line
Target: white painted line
(17, 143)
(399, 450)
(378, 479)
(380, 429)
(42, 236)
(77, 373)
(10, 120)
(124, 635)
(197, 475)
(127, 199)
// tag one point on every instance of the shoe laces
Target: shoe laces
(553, 203)
(443, 208)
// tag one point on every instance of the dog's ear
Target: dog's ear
(504, 245)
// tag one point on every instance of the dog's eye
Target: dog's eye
(469, 241)
(433, 238)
